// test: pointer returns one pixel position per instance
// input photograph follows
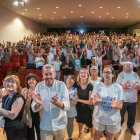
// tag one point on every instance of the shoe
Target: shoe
(132, 130)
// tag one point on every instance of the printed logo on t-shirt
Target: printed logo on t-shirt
(129, 87)
(106, 103)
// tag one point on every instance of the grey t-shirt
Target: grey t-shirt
(7, 57)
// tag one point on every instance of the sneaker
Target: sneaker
(132, 130)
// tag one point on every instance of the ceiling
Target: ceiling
(89, 19)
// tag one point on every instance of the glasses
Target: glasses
(94, 69)
(107, 72)
(12, 82)
(70, 78)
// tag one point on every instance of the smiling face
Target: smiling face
(32, 82)
(94, 71)
(70, 81)
(49, 75)
(11, 85)
(83, 75)
(107, 74)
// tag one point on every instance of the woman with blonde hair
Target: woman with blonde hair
(84, 105)
(12, 109)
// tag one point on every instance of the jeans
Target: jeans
(39, 68)
(131, 109)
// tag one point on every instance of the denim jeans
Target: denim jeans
(131, 109)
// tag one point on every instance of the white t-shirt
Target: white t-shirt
(120, 51)
(53, 50)
(89, 53)
(94, 82)
(39, 63)
(64, 51)
(72, 111)
(104, 113)
(50, 57)
(129, 93)
(56, 65)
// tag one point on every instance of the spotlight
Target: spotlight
(25, 0)
(81, 31)
(16, 2)
(22, 3)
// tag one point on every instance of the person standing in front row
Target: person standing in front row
(108, 101)
(130, 83)
(52, 99)
(84, 105)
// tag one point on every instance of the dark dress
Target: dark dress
(84, 111)
(35, 124)
(15, 129)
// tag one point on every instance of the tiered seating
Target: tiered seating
(5, 68)
(1, 76)
(22, 60)
(21, 75)
(15, 63)
(39, 74)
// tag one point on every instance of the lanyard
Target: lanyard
(6, 103)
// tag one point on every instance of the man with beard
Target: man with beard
(52, 99)
(130, 83)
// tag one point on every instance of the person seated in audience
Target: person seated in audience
(94, 63)
(64, 50)
(130, 83)
(39, 61)
(67, 67)
(71, 113)
(31, 55)
(53, 106)
(83, 53)
(84, 106)
(20, 50)
(12, 109)
(89, 52)
(6, 55)
(108, 101)
(50, 56)
(57, 63)
(31, 119)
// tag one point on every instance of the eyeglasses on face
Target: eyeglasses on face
(94, 69)
(107, 72)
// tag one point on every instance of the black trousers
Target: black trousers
(14, 133)
(31, 132)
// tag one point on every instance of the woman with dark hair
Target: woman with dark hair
(32, 119)
(108, 101)
(12, 109)
(71, 113)
(84, 105)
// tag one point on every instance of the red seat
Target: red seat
(62, 76)
(39, 74)
(15, 56)
(83, 66)
(1, 78)
(21, 75)
(23, 60)
(105, 62)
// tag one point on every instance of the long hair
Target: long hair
(113, 72)
(79, 79)
(16, 80)
(75, 83)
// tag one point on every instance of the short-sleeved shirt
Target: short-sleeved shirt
(84, 95)
(116, 67)
(7, 57)
(66, 70)
(129, 93)
(104, 113)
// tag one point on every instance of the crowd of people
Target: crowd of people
(92, 95)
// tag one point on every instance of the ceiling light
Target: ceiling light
(57, 7)
(54, 12)
(118, 7)
(16, 2)
(127, 13)
(71, 11)
(112, 17)
(92, 12)
(22, 3)
(99, 16)
(39, 18)
(40, 14)
(107, 13)
(25, 0)
(139, 6)
(63, 17)
(52, 18)
(80, 5)
(81, 16)
(126, 17)
(25, 9)
(38, 8)
(101, 7)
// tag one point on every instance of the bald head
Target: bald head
(128, 67)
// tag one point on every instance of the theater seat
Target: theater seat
(105, 62)
(21, 75)
(39, 74)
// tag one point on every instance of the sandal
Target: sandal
(86, 130)
(78, 137)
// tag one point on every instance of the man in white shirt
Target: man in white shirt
(50, 57)
(130, 83)
(52, 99)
